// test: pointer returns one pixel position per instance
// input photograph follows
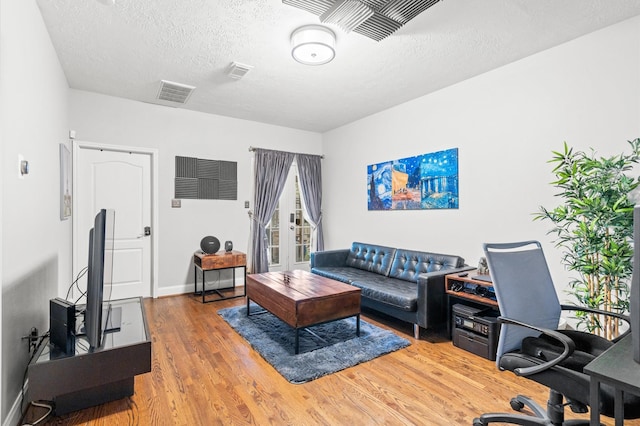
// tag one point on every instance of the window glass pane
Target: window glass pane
(273, 237)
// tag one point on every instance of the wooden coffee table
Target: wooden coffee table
(302, 299)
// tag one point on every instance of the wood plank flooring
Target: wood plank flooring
(204, 373)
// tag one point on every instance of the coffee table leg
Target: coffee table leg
(247, 306)
(358, 325)
(297, 349)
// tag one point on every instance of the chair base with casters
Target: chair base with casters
(554, 415)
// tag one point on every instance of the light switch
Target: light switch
(23, 166)
(246, 204)
(176, 203)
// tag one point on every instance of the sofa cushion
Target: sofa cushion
(400, 294)
(371, 258)
(346, 274)
(408, 264)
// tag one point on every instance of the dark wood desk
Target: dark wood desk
(616, 368)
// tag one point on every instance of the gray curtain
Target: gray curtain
(310, 174)
(271, 170)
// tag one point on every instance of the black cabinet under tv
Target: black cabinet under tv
(85, 379)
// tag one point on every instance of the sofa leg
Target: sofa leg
(416, 331)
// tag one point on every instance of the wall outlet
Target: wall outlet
(176, 203)
(246, 204)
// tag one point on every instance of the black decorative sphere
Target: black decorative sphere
(228, 246)
(210, 245)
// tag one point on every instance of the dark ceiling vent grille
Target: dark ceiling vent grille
(317, 7)
(388, 16)
(378, 27)
(404, 11)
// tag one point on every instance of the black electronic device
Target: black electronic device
(99, 276)
(476, 330)
(485, 291)
(62, 325)
(228, 246)
(210, 245)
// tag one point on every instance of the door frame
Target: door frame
(153, 153)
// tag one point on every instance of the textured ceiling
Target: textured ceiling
(126, 49)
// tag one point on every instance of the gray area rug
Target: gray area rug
(327, 348)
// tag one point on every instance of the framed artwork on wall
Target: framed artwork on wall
(65, 182)
(423, 182)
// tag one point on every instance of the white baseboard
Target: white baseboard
(188, 288)
(14, 415)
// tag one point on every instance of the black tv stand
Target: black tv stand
(111, 318)
(87, 378)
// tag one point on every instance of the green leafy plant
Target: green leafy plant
(594, 229)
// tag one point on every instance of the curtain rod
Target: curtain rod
(253, 148)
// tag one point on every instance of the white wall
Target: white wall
(36, 260)
(177, 132)
(505, 124)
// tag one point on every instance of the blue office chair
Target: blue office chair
(530, 346)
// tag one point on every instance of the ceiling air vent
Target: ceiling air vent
(174, 92)
(237, 70)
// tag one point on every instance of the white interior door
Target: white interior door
(288, 232)
(109, 179)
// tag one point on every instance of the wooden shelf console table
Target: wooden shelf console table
(217, 262)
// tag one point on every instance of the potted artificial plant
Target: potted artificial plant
(594, 229)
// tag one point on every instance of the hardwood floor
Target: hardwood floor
(203, 373)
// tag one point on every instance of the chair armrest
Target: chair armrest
(569, 347)
(622, 317)
(329, 258)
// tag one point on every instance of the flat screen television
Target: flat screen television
(99, 276)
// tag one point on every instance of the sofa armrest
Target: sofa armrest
(321, 259)
(432, 300)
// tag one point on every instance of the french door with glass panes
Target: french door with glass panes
(288, 232)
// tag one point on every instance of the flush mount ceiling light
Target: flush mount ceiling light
(375, 19)
(313, 45)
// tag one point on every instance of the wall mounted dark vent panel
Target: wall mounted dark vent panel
(203, 179)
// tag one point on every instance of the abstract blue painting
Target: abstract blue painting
(428, 181)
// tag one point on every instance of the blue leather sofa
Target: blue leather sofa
(405, 284)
